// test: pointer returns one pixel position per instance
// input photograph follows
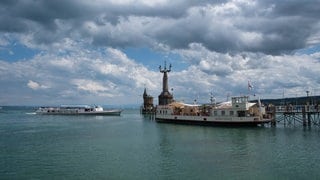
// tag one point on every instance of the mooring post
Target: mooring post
(309, 115)
(304, 121)
(273, 116)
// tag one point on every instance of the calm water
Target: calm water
(134, 147)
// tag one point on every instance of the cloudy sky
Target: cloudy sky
(108, 51)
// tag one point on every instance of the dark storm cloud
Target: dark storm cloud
(271, 27)
(44, 12)
(268, 27)
(308, 8)
(282, 34)
(287, 25)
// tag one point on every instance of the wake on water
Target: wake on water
(32, 113)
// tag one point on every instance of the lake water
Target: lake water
(133, 146)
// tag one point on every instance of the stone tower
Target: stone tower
(165, 97)
(147, 103)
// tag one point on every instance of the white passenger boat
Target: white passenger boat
(237, 112)
(77, 110)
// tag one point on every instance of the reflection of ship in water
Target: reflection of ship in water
(147, 107)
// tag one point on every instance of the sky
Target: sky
(107, 51)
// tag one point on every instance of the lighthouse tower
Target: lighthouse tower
(165, 97)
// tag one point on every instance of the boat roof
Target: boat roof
(181, 104)
(75, 106)
(226, 104)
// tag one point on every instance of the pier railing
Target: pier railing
(298, 108)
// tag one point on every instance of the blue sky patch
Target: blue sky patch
(152, 59)
(16, 51)
(309, 50)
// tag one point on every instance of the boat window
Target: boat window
(241, 113)
(231, 113)
(223, 113)
(215, 113)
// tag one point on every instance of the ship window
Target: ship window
(241, 113)
(223, 113)
(231, 113)
(215, 113)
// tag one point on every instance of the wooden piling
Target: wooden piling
(309, 116)
(304, 121)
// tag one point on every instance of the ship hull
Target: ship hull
(100, 113)
(208, 121)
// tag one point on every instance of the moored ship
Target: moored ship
(237, 112)
(78, 110)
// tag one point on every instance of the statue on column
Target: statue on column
(165, 97)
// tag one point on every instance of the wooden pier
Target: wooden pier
(306, 115)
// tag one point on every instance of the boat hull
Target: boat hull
(209, 121)
(99, 113)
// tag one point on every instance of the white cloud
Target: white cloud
(109, 73)
(224, 44)
(270, 27)
(63, 63)
(35, 86)
(91, 86)
(221, 73)
(110, 76)
(316, 55)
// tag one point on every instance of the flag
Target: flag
(249, 86)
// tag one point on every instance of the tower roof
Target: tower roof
(145, 92)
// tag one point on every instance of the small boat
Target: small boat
(238, 112)
(78, 110)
